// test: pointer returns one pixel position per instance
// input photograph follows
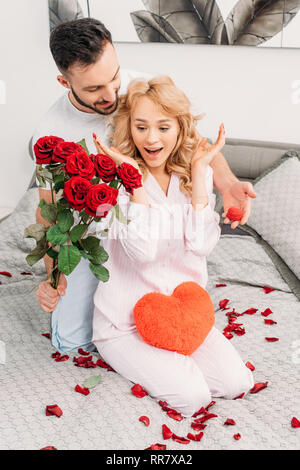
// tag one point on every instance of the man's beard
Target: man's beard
(103, 112)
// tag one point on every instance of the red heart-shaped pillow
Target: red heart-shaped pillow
(178, 322)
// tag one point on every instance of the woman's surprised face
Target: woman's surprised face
(154, 132)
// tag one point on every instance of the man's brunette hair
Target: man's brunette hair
(78, 41)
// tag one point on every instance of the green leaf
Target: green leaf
(90, 243)
(54, 235)
(65, 220)
(95, 180)
(119, 214)
(38, 253)
(83, 144)
(100, 272)
(41, 181)
(77, 232)
(84, 216)
(48, 211)
(99, 255)
(68, 258)
(92, 381)
(114, 184)
(52, 253)
(36, 231)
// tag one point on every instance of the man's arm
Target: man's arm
(235, 193)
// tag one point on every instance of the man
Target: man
(84, 54)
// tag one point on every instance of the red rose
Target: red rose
(80, 164)
(63, 150)
(100, 199)
(105, 167)
(44, 147)
(75, 192)
(130, 176)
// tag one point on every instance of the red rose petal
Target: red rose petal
(195, 437)
(5, 273)
(83, 390)
(198, 426)
(239, 396)
(49, 448)
(230, 421)
(180, 440)
(221, 285)
(205, 417)
(249, 365)
(200, 412)
(167, 433)
(138, 391)
(271, 340)
(237, 436)
(228, 335)
(83, 353)
(258, 387)
(145, 420)
(63, 358)
(295, 423)
(56, 354)
(223, 303)
(251, 311)
(175, 415)
(47, 335)
(266, 312)
(234, 213)
(25, 273)
(268, 289)
(53, 410)
(157, 446)
(270, 322)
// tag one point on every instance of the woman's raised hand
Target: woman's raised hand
(113, 153)
(206, 152)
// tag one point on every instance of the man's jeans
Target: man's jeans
(72, 320)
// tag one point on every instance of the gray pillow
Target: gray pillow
(275, 213)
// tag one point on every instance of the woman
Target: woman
(173, 228)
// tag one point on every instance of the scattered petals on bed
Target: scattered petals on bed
(223, 303)
(166, 432)
(268, 289)
(237, 436)
(295, 422)
(266, 312)
(221, 285)
(49, 448)
(250, 366)
(5, 273)
(145, 420)
(271, 339)
(180, 440)
(83, 390)
(53, 410)
(270, 322)
(258, 387)
(47, 335)
(195, 437)
(230, 422)
(138, 391)
(157, 446)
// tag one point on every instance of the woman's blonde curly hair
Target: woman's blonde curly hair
(163, 92)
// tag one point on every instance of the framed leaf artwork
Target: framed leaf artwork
(261, 23)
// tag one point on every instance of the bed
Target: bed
(254, 275)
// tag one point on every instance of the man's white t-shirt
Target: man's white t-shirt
(65, 121)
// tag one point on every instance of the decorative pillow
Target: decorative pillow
(178, 322)
(275, 213)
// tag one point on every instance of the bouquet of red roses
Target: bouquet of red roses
(86, 186)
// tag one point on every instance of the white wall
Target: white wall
(249, 89)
